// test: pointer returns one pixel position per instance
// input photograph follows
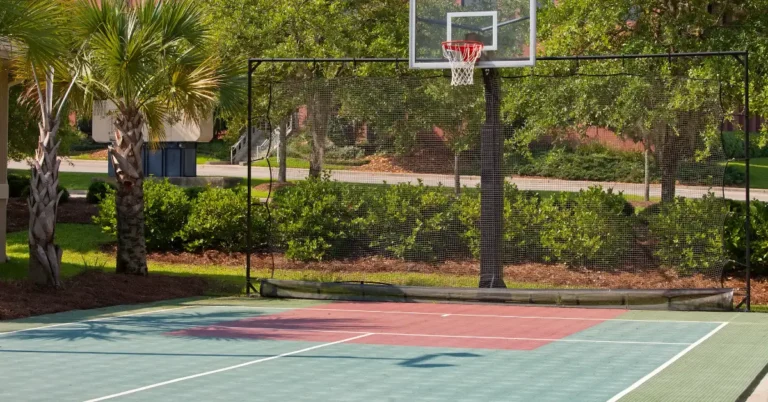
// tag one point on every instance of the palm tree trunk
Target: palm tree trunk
(44, 254)
(125, 155)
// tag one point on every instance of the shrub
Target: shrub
(522, 221)
(17, 184)
(318, 219)
(217, 220)
(689, 233)
(106, 218)
(344, 153)
(733, 145)
(166, 208)
(414, 222)
(708, 174)
(194, 192)
(591, 227)
(97, 191)
(735, 238)
(586, 163)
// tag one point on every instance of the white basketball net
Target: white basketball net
(462, 55)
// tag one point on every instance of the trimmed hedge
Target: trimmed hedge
(217, 220)
(320, 219)
(98, 190)
(735, 238)
(689, 233)
(414, 222)
(166, 208)
(587, 228)
(598, 163)
(522, 217)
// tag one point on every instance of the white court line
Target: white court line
(93, 319)
(666, 364)
(160, 384)
(503, 338)
(531, 317)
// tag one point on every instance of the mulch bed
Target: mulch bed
(548, 274)
(76, 210)
(93, 289)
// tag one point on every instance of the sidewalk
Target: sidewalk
(363, 177)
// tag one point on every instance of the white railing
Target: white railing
(261, 148)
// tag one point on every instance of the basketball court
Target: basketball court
(234, 349)
(299, 350)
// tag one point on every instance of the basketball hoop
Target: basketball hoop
(462, 54)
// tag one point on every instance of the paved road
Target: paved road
(352, 176)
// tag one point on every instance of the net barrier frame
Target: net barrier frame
(621, 298)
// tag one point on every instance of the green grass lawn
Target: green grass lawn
(84, 157)
(758, 172)
(82, 250)
(297, 163)
(70, 180)
(81, 245)
(214, 151)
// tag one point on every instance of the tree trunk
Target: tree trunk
(491, 186)
(669, 164)
(647, 179)
(319, 111)
(43, 202)
(456, 174)
(282, 151)
(125, 155)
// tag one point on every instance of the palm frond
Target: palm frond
(32, 29)
(152, 56)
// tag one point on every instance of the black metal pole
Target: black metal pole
(248, 208)
(747, 218)
(544, 58)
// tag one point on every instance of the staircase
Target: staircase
(262, 143)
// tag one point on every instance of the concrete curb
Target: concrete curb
(761, 392)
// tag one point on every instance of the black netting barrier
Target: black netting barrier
(560, 178)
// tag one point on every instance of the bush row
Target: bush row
(189, 219)
(18, 187)
(596, 163)
(323, 220)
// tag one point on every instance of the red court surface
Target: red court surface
(422, 325)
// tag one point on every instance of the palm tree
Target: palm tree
(149, 59)
(32, 30)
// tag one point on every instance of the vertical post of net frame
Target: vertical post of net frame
(249, 127)
(747, 214)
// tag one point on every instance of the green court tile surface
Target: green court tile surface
(119, 353)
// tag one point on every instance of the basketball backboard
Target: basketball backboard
(507, 28)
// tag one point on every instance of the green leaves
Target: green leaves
(32, 31)
(689, 234)
(152, 57)
(166, 208)
(587, 228)
(218, 219)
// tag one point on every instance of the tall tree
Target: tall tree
(573, 27)
(151, 60)
(34, 30)
(298, 28)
